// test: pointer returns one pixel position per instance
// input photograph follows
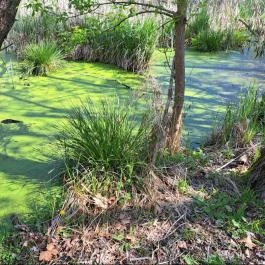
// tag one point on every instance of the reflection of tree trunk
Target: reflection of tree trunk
(174, 135)
(257, 175)
(8, 11)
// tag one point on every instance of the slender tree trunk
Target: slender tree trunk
(257, 175)
(174, 134)
(8, 11)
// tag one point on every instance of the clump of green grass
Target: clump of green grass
(199, 23)
(243, 122)
(209, 41)
(128, 45)
(33, 29)
(203, 37)
(40, 59)
(105, 148)
(214, 259)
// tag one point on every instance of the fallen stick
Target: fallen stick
(234, 159)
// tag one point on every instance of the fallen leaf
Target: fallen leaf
(101, 201)
(126, 221)
(45, 256)
(67, 244)
(131, 238)
(247, 253)
(103, 233)
(247, 241)
(119, 226)
(182, 245)
(50, 247)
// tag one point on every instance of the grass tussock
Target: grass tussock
(244, 122)
(40, 59)
(204, 37)
(105, 152)
(128, 45)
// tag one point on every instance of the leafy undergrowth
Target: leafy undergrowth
(195, 214)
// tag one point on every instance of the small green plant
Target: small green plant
(7, 255)
(12, 252)
(40, 59)
(214, 259)
(182, 186)
(118, 237)
(105, 147)
(167, 159)
(230, 212)
(188, 234)
(189, 260)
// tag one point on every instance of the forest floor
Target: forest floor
(200, 213)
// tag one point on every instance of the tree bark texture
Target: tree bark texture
(257, 175)
(8, 11)
(174, 134)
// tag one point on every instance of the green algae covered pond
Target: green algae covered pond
(41, 103)
(212, 81)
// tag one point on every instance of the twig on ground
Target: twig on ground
(234, 159)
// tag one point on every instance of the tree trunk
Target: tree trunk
(8, 11)
(174, 134)
(257, 175)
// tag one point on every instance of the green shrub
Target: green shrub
(41, 58)
(103, 145)
(129, 45)
(209, 41)
(204, 38)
